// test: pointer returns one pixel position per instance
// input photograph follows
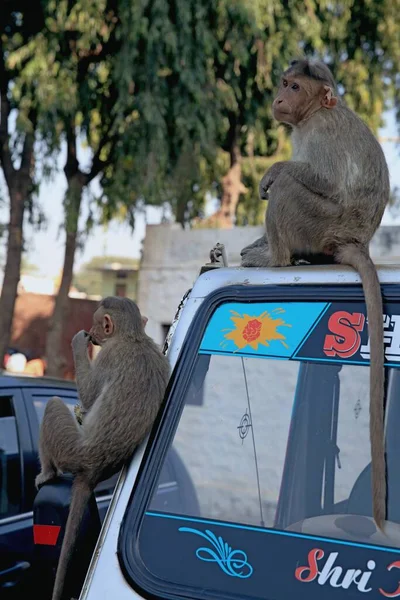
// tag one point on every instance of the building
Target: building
(118, 279)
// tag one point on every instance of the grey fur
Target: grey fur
(330, 199)
(121, 392)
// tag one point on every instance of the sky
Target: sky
(45, 248)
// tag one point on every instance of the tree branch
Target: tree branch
(97, 164)
(72, 165)
(90, 57)
(27, 150)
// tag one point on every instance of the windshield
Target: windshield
(274, 439)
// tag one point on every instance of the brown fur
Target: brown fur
(121, 392)
(329, 200)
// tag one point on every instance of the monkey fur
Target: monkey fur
(329, 199)
(121, 391)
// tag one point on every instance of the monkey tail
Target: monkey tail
(359, 258)
(80, 495)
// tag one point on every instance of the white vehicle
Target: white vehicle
(268, 408)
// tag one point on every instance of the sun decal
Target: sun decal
(254, 330)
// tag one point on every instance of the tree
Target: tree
(113, 80)
(76, 94)
(19, 23)
(168, 102)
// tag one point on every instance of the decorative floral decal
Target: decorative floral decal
(232, 562)
(255, 330)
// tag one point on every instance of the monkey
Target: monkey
(296, 259)
(121, 391)
(329, 199)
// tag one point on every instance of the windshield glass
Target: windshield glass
(274, 443)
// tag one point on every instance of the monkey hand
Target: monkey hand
(80, 341)
(270, 176)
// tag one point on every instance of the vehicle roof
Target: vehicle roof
(20, 380)
(300, 275)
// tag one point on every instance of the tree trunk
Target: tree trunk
(55, 361)
(232, 188)
(19, 182)
(18, 194)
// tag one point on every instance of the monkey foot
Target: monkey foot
(255, 257)
(43, 477)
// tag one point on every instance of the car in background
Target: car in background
(22, 403)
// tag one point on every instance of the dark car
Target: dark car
(22, 403)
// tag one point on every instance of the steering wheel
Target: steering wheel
(355, 528)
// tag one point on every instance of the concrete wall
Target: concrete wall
(172, 258)
(171, 262)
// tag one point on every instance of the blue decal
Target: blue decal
(230, 561)
(267, 329)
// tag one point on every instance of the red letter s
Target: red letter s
(346, 339)
(396, 593)
(313, 556)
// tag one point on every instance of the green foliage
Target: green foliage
(167, 93)
(166, 101)
(361, 43)
(63, 71)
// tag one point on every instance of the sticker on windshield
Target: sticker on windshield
(273, 330)
(342, 336)
(253, 562)
(319, 331)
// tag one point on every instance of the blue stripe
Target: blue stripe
(272, 531)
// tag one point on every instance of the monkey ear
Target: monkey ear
(144, 321)
(328, 100)
(108, 325)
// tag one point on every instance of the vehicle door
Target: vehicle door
(36, 400)
(16, 541)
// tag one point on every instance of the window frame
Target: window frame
(24, 444)
(164, 429)
(50, 391)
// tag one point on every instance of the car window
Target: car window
(234, 445)
(10, 463)
(278, 454)
(40, 400)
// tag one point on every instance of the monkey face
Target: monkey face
(102, 328)
(299, 97)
